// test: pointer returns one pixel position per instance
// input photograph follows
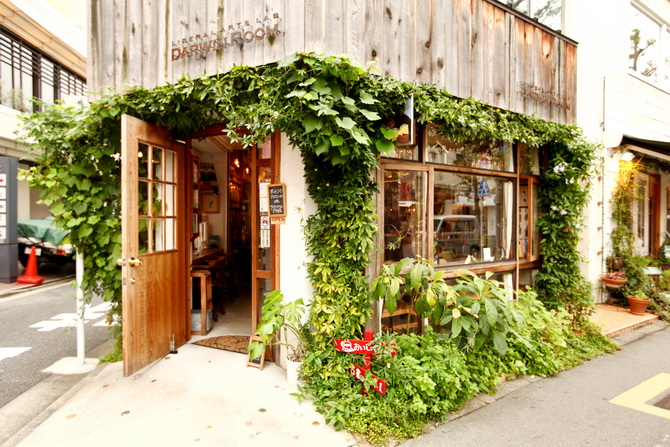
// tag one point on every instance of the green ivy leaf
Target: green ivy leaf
(336, 140)
(311, 123)
(372, 116)
(345, 123)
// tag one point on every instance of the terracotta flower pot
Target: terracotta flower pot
(612, 282)
(637, 306)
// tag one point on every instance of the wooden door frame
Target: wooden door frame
(274, 273)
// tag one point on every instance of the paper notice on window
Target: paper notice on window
(265, 239)
(263, 190)
(3, 192)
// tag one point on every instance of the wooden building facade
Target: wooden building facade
(471, 48)
(484, 205)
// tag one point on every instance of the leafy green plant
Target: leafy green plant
(275, 316)
(473, 312)
(622, 237)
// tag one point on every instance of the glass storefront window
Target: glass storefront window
(404, 214)
(477, 154)
(473, 218)
(529, 160)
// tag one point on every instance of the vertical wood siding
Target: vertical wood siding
(471, 48)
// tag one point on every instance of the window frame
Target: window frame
(512, 265)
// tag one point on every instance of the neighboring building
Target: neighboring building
(43, 57)
(623, 102)
(482, 205)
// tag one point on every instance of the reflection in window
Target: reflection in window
(404, 214)
(473, 218)
(649, 51)
(472, 154)
(547, 12)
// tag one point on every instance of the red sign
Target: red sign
(354, 346)
(363, 347)
(359, 373)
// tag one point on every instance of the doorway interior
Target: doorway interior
(222, 199)
(230, 200)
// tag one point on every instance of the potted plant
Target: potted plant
(638, 303)
(287, 317)
(613, 280)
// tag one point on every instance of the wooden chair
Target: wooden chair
(205, 298)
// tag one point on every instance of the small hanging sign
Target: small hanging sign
(277, 194)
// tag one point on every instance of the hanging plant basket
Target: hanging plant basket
(613, 283)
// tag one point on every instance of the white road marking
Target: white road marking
(69, 319)
(6, 353)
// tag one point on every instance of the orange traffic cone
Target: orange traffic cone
(30, 275)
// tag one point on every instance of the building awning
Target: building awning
(661, 147)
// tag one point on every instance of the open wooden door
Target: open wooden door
(155, 243)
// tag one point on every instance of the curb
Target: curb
(31, 288)
(71, 384)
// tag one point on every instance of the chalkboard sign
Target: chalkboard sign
(258, 362)
(277, 197)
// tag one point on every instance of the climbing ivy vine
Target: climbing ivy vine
(332, 109)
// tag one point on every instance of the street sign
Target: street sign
(483, 190)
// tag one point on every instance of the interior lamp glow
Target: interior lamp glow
(627, 156)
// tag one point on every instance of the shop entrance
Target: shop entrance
(195, 260)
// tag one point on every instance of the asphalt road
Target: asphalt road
(36, 331)
(573, 408)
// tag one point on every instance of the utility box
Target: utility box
(9, 255)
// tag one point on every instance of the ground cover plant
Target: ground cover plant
(332, 110)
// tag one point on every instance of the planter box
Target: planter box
(195, 320)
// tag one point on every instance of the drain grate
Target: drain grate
(664, 402)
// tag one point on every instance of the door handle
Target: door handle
(134, 262)
(120, 262)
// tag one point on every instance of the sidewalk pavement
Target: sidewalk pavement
(205, 397)
(199, 396)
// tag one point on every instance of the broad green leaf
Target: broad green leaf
(323, 147)
(345, 123)
(312, 123)
(367, 98)
(288, 60)
(296, 93)
(372, 116)
(336, 140)
(384, 146)
(321, 86)
(499, 342)
(360, 136)
(390, 302)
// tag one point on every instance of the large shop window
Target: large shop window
(463, 205)
(404, 214)
(473, 217)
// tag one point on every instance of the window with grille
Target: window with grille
(27, 73)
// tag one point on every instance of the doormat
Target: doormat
(234, 343)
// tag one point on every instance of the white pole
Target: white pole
(81, 308)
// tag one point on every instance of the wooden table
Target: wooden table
(200, 256)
